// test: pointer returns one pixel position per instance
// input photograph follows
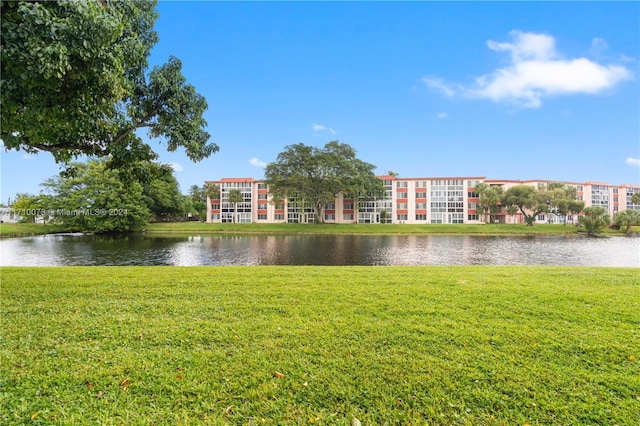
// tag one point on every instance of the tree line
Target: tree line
(555, 198)
(97, 198)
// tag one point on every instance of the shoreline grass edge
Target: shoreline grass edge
(30, 229)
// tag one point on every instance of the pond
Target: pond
(215, 249)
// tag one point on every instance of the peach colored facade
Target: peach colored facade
(407, 200)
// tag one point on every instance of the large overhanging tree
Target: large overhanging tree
(317, 175)
(75, 81)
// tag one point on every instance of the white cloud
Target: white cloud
(437, 84)
(28, 157)
(527, 46)
(257, 163)
(598, 47)
(177, 167)
(322, 128)
(441, 115)
(632, 162)
(537, 71)
(625, 58)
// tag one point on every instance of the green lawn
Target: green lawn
(298, 228)
(301, 345)
(23, 229)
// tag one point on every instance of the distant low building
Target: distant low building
(8, 215)
(406, 200)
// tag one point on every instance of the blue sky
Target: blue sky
(532, 90)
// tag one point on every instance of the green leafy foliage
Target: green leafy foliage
(75, 81)
(530, 201)
(235, 197)
(562, 200)
(162, 194)
(627, 219)
(489, 199)
(197, 198)
(316, 175)
(594, 219)
(97, 200)
(33, 207)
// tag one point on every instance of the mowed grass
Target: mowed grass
(320, 345)
(22, 229)
(359, 228)
(25, 229)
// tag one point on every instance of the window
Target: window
(402, 206)
(421, 184)
(347, 216)
(348, 206)
(437, 217)
(472, 217)
(262, 217)
(331, 206)
(541, 217)
(473, 195)
(262, 186)
(329, 217)
(215, 216)
(421, 206)
(402, 217)
(262, 196)
(421, 195)
(472, 183)
(215, 206)
(472, 206)
(457, 218)
(421, 217)
(279, 216)
(401, 184)
(439, 206)
(293, 218)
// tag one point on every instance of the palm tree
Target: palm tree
(211, 190)
(235, 197)
(628, 218)
(595, 218)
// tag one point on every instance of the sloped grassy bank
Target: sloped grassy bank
(383, 229)
(300, 345)
(9, 230)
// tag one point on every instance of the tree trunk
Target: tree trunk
(318, 209)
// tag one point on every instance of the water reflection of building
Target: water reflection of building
(406, 200)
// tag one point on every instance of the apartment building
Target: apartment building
(406, 200)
